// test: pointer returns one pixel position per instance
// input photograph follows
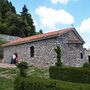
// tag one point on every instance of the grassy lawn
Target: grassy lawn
(7, 76)
(6, 84)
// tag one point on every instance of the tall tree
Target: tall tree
(12, 8)
(27, 19)
(40, 31)
(15, 25)
(11, 23)
(6, 6)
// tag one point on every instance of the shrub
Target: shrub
(58, 52)
(86, 65)
(22, 67)
(36, 83)
(70, 74)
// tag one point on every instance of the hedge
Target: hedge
(71, 74)
(86, 65)
(36, 83)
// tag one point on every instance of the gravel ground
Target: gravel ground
(5, 65)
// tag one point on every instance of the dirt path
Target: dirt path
(5, 65)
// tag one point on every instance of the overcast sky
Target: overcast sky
(51, 15)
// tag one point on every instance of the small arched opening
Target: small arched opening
(32, 51)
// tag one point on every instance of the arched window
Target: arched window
(32, 51)
(81, 55)
(89, 58)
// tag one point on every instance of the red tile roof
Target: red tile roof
(38, 37)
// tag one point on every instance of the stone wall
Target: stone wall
(87, 53)
(45, 54)
(7, 37)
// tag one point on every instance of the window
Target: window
(81, 56)
(89, 59)
(32, 51)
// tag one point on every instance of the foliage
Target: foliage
(22, 67)
(6, 6)
(11, 23)
(8, 75)
(36, 83)
(41, 31)
(28, 21)
(58, 52)
(70, 74)
(86, 65)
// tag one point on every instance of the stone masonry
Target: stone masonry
(44, 54)
(8, 37)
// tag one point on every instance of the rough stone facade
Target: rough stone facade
(87, 55)
(8, 37)
(44, 54)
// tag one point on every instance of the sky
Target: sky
(51, 15)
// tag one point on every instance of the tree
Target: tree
(11, 23)
(27, 19)
(6, 6)
(22, 68)
(15, 25)
(24, 10)
(12, 8)
(40, 31)
(58, 52)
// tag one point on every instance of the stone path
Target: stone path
(5, 65)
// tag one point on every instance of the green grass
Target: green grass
(34, 71)
(7, 76)
(6, 84)
(78, 86)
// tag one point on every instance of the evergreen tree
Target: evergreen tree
(11, 23)
(12, 8)
(27, 19)
(40, 31)
(15, 25)
(6, 6)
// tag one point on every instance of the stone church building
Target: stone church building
(39, 51)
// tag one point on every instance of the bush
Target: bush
(70, 74)
(58, 64)
(58, 52)
(36, 83)
(86, 65)
(22, 67)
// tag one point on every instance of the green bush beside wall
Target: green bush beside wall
(70, 74)
(86, 65)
